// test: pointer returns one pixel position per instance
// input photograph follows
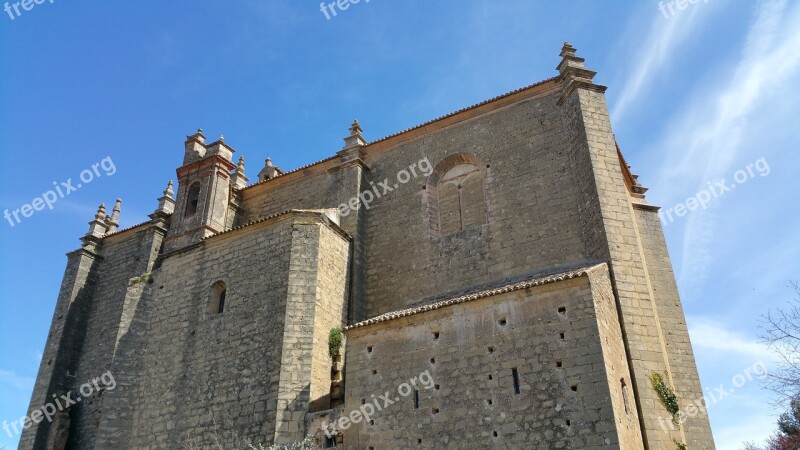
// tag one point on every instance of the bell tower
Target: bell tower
(204, 188)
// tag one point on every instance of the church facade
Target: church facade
(497, 274)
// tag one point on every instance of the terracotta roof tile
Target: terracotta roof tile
(127, 229)
(264, 219)
(437, 304)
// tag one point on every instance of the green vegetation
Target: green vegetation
(307, 444)
(335, 339)
(666, 395)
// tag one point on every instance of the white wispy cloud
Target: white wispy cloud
(658, 49)
(710, 335)
(723, 121)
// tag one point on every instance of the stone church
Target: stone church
(498, 277)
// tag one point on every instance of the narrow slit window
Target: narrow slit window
(416, 399)
(221, 307)
(515, 377)
(625, 394)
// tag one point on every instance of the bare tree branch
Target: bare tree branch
(781, 333)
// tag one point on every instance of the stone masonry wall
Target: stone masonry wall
(330, 310)
(679, 347)
(212, 376)
(613, 215)
(525, 149)
(316, 302)
(326, 189)
(530, 197)
(470, 351)
(322, 190)
(618, 373)
(125, 257)
(207, 376)
(118, 404)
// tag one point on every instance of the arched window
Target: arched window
(456, 192)
(216, 304)
(192, 199)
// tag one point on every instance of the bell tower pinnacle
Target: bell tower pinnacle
(204, 187)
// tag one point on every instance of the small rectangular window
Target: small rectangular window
(416, 399)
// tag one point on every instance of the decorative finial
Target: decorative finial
(239, 180)
(166, 204)
(113, 220)
(200, 131)
(355, 128)
(568, 49)
(97, 228)
(355, 139)
(269, 171)
(101, 212)
(573, 74)
(222, 138)
(168, 191)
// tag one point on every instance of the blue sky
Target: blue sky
(695, 97)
